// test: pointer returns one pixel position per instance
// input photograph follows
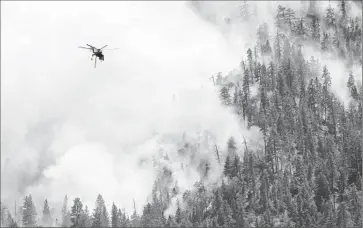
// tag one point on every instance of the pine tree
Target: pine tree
(100, 214)
(315, 29)
(278, 48)
(326, 93)
(286, 52)
(245, 11)
(267, 48)
(343, 9)
(10, 222)
(227, 167)
(250, 64)
(66, 219)
(301, 29)
(328, 215)
(6, 218)
(321, 191)
(3, 214)
(246, 96)
(178, 213)
(119, 216)
(330, 16)
(336, 39)
(76, 213)
(125, 221)
(355, 206)
(226, 97)
(290, 18)
(135, 219)
(235, 96)
(352, 87)
(280, 17)
(85, 220)
(170, 222)
(231, 145)
(29, 212)
(344, 218)
(325, 43)
(114, 217)
(306, 207)
(105, 221)
(146, 217)
(46, 219)
(235, 166)
(288, 72)
(264, 200)
(263, 35)
(241, 214)
(299, 177)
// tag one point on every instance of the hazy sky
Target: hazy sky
(68, 128)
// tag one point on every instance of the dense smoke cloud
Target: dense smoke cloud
(68, 128)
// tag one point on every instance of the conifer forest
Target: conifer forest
(307, 168)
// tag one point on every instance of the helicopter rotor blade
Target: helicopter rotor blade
(85, 48)
(95, 61)
(110, 49)
(103, 47)
(91, 46)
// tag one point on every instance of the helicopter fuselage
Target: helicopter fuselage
(99, 54)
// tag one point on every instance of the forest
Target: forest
(309, 170)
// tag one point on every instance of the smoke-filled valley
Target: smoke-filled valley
(210, 114)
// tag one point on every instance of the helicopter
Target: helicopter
(97, 52)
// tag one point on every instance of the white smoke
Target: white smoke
(68, 128)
